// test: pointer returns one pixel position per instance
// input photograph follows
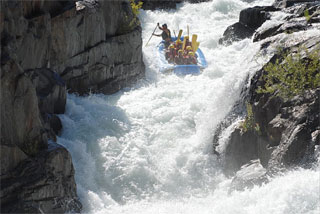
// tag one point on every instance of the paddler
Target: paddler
(188, 43)
(179, 58)
(178, 44)
(192, 58)
(166, 34)
(172, 53)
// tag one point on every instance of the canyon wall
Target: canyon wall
(47, 48)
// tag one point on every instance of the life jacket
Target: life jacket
(193, 61)
(166, 36)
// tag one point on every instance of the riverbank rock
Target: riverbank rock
(288, 130)
(285, 131)
(290, 3)
(47, 48)
(294, 22)
(248, 176)
(42, 184)
(250, 20)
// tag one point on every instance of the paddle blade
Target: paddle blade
(194, 40)
(179, 35)
(195, 48)
(184, 44)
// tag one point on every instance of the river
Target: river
(148, 149)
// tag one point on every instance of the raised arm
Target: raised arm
(160, 27)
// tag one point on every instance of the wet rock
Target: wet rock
(242, 148)
(297, 125)
(20, 117)
(55, 124)
(42, 184)
(236, 32)
(261, 35)
(250, 20)
(254, 17)
(48, 47)
(288, 128)
(290, 3)
(51, 90)
(294, 23)
(109, 57)
(248, 176)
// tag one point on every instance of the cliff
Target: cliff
(279, 133)
(47, 48)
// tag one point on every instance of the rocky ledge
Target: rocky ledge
(47, 48)
(286, 131)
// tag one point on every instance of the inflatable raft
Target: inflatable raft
(165, 66)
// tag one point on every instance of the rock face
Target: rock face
(249, 175)
(285, 131)
(250, 20)
(43, 184)
(295, 21)
(47, 48)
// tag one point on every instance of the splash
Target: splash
(149, 149)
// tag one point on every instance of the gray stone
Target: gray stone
(48, 47)
(248, 176)
(43, 184)
(20, 117)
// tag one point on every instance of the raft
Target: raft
(165, 66)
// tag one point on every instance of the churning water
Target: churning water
(148, 149)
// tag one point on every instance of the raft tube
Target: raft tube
(165, 66)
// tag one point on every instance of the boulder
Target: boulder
(249, 175)
(254, 17)
(250, 20)
(20, 116)
(242, 148)
(293, 23)
(42, 184)
(290, 3)
(288, 128)
(236, 32)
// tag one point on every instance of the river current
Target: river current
(148, 149)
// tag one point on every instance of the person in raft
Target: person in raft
(166, 34)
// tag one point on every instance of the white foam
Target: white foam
(149, 149)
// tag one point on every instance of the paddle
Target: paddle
(174, 32)
(179, 35)
(194, 40)
(188, 29)
(152, 35)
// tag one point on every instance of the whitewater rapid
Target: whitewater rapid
(148, 149)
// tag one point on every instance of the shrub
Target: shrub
(294, 75)
(307, 15)
(248, 124)
(136, 6)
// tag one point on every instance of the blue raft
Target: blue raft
(165, 66)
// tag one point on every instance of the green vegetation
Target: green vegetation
(135, 7)
(294, 75)
(131, 21)
(248, 124)
(307, 15)
(135, 10)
